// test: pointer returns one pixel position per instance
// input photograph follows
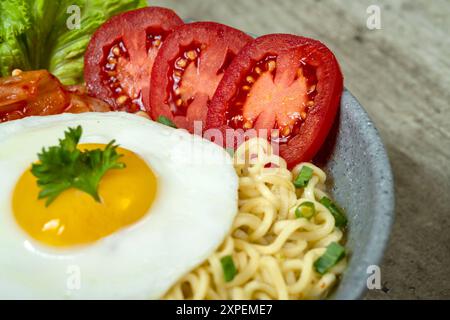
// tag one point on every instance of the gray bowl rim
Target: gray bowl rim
(383, 215)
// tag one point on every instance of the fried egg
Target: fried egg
(159, 218)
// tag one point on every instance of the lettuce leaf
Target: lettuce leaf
(13, 18)
(13, 55)
(43, 34)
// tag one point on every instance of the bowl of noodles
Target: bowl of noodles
(277, 255)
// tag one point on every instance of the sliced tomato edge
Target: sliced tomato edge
(296, 150)
(240, 66)
(109, 32)
(161, 68)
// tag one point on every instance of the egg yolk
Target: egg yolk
(74, 217)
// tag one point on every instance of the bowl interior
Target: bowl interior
(360, 180)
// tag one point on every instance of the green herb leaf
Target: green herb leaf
(303, 177)
(228, 267)
(305, 210)
(64, 166)
(166, 121)
(333, 254)
(338, 213)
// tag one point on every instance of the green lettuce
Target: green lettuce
(35, 34)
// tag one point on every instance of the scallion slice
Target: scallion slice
(230, 151)
(333, 254)
(338, 213)
(305, 210)
(228, 267)
(166, 121)
(303, 177)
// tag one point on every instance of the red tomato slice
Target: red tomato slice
(287, 84)
(30, 94)
(119, 58)
(188, 68)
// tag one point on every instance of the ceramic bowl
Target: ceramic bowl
(360, 180)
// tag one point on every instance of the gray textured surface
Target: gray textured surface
(360, 180)
(401, 75)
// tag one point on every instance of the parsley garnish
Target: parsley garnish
(64, 166)
(166, 121)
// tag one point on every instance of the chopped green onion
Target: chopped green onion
(228, 267)
(340, 220)
(230, 151)
(334, 253)
(305, 210)
(166, 121)
(303, 177)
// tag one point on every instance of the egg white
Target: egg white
(192, 213)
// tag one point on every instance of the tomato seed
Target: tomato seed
(181, 63)
(191, 54)
(258, 70)
(311, 89)
(286, 131)
(271, 65)
(121, 100)
(275, 133)
(310, 103)
(247, 124)
(179, 102)
(116, 50)
(112, 60)
(157, 42)
(250, 79)
(303, 115)
(246, 88)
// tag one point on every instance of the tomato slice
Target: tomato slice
(289, 85)
(31, 93)
(188, 69)
(120, 56)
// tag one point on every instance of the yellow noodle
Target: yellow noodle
(273, 250)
